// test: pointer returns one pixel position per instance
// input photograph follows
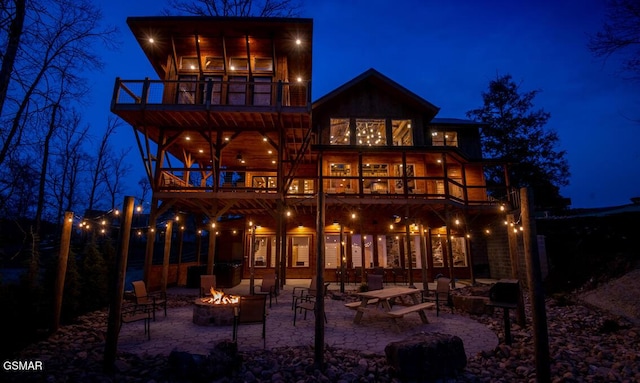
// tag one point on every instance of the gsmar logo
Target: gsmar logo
(22, 365)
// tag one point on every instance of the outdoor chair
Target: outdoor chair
(251, 310)
(155, 299)
(307, 303)
(268, 287)
(134, 313)
(441, 295)
(305, 293)
(206, 283)
(399, 274)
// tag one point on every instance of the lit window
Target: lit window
(339, 131)
(263, 65)
(239, 64)
(189, 63)
(402, 133)
(214, 63)
(444, 138)
(371, 132)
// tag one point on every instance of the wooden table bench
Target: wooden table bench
(386, 300)
(401, 311)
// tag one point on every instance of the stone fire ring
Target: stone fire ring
(209, 314)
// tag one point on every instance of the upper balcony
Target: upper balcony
(213, 103)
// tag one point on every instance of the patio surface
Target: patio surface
(178, 332)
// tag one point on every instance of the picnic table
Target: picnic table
(392, 303)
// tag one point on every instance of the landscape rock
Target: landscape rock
(427, 356)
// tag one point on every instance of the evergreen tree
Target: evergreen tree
(515, 133)
(94, 278)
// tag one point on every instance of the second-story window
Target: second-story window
(339, 131)
(237, 92)
(401, 132)
(238, 64)
(189, 63)
(213, 64)
(262, 91)
(263, 65)
(371, 132)
(444, 138)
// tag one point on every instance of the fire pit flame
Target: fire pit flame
(218, 297)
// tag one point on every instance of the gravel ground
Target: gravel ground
(586, 344)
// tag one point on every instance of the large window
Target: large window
(187, 89)
(340, 131)
(374, 178)
(459, 250)
(444, 138)
(332, 252)
(237, 90)
(356, 253)
(261, 246)
(262, 91)
(300, 251)
(438, 244)
(339, 184)
(371, 132)
(213, 84)
(401, 132)
(398, 183)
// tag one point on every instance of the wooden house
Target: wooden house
(366, 175)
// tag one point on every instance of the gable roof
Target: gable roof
(383, 82)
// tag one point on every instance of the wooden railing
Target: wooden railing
(212, 93)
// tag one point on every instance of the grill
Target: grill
(505, 292)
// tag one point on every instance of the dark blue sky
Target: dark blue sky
(447, 52)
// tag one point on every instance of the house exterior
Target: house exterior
(364, 178)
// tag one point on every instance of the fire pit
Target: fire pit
(216, 310)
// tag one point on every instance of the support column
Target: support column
(151, 239)
(115, 301)
(165, 260)
(63, 257)
(211, 249)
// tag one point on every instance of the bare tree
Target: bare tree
(59, 32)
(99, 162)
(243, 8)
(620, 34)
(145, 188)
(115, 170)
(15, 18)
(68, 153)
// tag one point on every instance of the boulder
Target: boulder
(472, 304)
(427, 357)
(222, 361)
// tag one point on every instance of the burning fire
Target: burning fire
(218, 297)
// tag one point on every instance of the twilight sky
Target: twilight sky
(447, 52)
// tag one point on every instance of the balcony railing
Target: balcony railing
(212, 93)
(434, 188)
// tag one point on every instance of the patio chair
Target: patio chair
(206, 283)
(442, 294)
(144, 298)
(399, 274)
(268, 287)
(302, 293)
(134, 313)
(251, 310)
(307, 303)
